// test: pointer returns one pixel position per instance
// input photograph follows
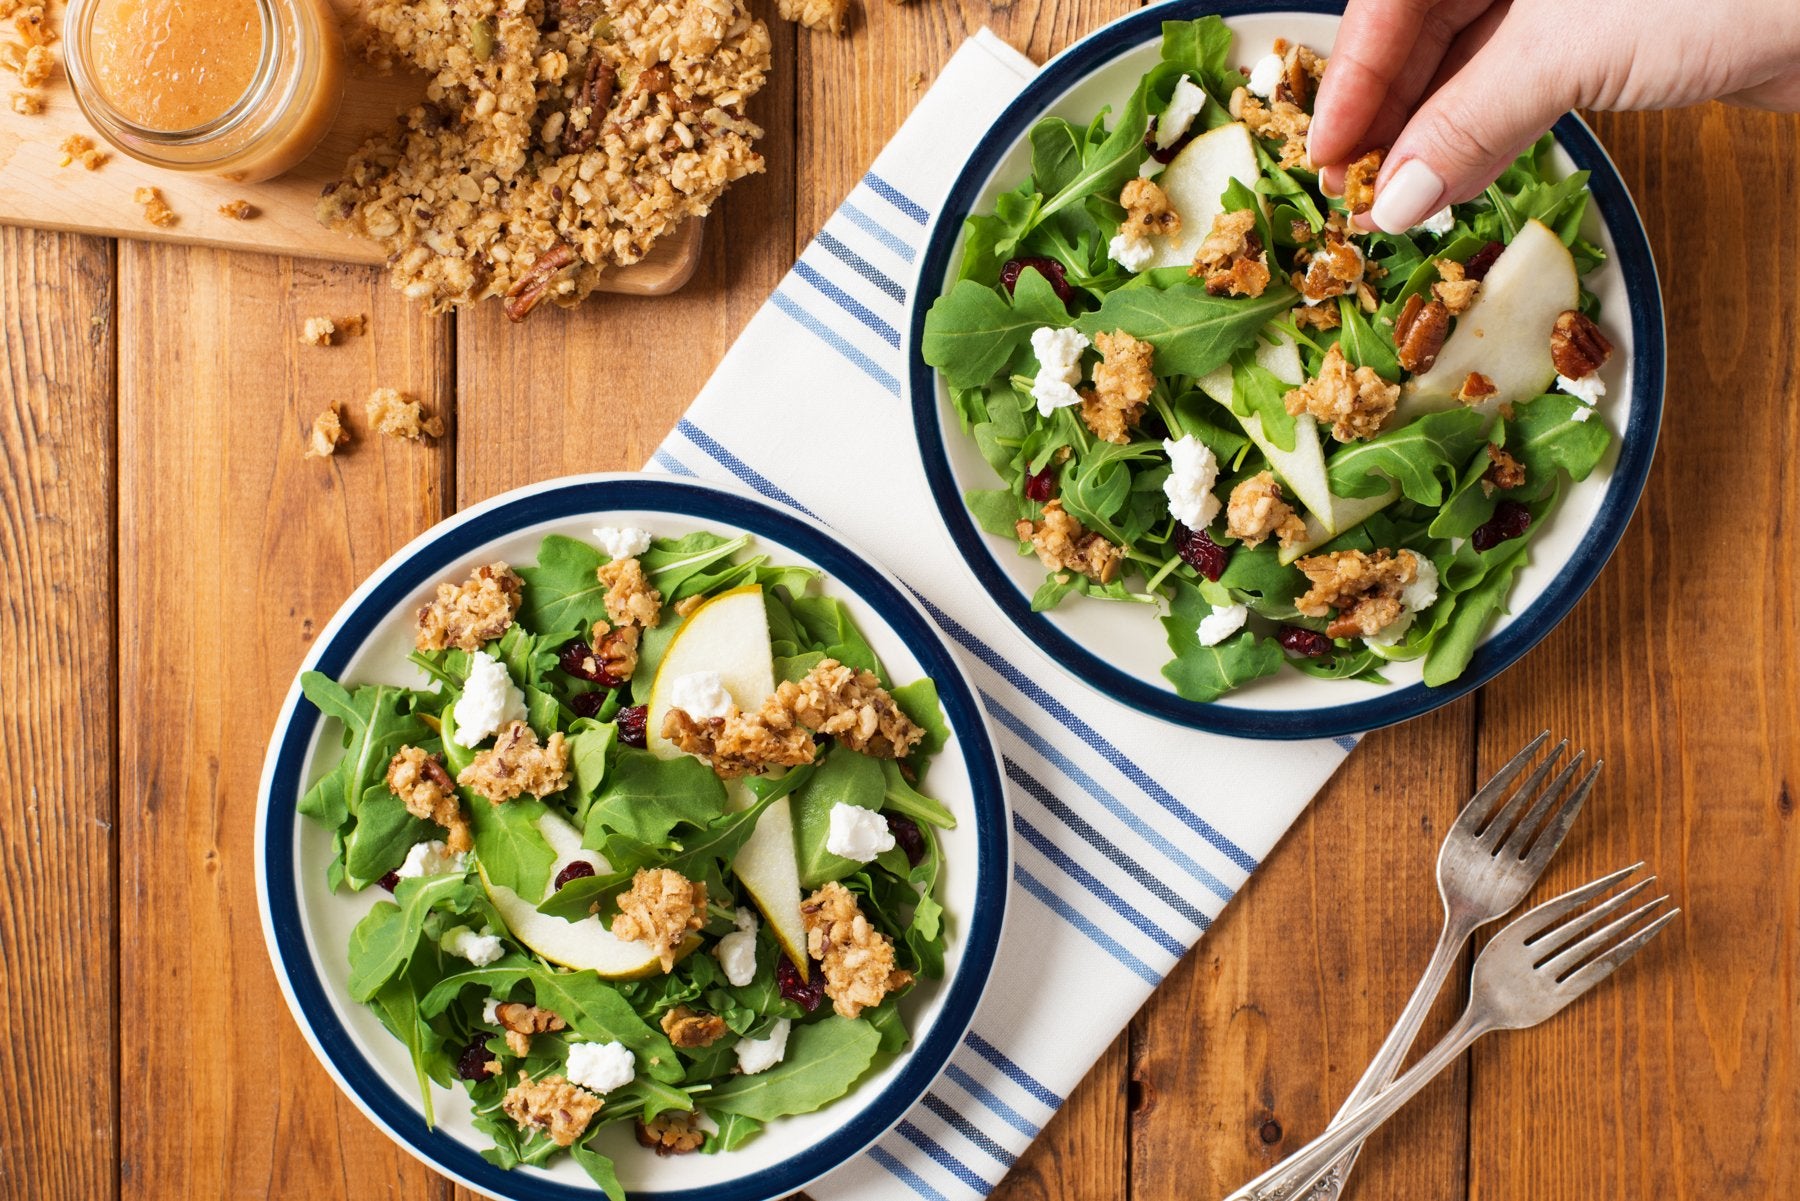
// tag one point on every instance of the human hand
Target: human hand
(1456, 89)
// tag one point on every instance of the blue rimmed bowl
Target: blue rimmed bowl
(1120, 651)
(307, 926)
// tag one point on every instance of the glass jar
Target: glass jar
(244, 89)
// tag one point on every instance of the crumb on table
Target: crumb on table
(815, 14)
(239, 210)
(327, 433)
(318, 331)
(79, 149)
(27, 104)
(32, 64)
(156, 212)
(353, 326)
(399, 415)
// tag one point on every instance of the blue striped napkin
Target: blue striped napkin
(1130, 836)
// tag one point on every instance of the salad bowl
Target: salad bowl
(1120, 649)
(307, 923)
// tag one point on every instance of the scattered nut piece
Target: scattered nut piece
(1359, 182)
(239, 210)
(1232, 259)
(672, 1132)
(1063, 544)
(1577, 347)
(399, 415)
(1475, 388)
(815, 14)
(688, 1027)
(328, 432)
(1503, 472)
(1454, 287)
(156, 212)
(1419, 332)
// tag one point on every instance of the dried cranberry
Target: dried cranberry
(474, 1061)
(1166, 154)
(1510, 520)
(575, 871)
(1200, 552)
(1299, 640)
(1042, 486)
(579, 660)
(1050, 269)
(908, 836)
(391, 881)
(633, 719)
(588, 704)
(806, 993)
(1482, 261)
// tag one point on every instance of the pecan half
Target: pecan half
(1475, 388)
(1577, 346)
(594, 99)
(1419, 332)
(1359, 182)
(534, 285)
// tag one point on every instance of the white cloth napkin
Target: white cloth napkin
(1130, 835)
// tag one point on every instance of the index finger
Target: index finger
(1373, 44)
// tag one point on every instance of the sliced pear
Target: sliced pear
(729, 635)
(1505, 334)
(582, 945)
(1302, 469)
(1347, 513)
(1196, 180)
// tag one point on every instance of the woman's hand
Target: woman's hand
(1456, 89)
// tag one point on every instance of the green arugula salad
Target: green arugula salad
(655, 824)
(1205, 390)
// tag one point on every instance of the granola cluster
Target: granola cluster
(848, 705)
(1063, 544)
(738, 744)
(327, 432)
(1147, 211)
(79, 148)
(156, 210)
(1285, 116)
(661, 908)
(630, 600)
(521, 1021)
(856, 958)
(690, 1028)
(518, 764)
(559, 138)
(672, 1132)
(1258, 510)
(399, 415)
(30, 57)
(1123, 382)
(552, 1105)
(1355, 403)
(815, 14)
(428, 792)
(1454, 289)
(1334, 266)
(1364, 589)
(468, 614)
(1232, 259)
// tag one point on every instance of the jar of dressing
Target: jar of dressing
(244, 89)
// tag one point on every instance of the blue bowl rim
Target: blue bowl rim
(1497, 652)
(425, 559)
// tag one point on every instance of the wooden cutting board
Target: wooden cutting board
(35, 191)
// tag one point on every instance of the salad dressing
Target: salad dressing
(174, 66)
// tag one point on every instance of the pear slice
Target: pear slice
(729, 635)
(1302, 469)
(1196, 180)
(1505, 334)
(582, 945)
(1347, 512)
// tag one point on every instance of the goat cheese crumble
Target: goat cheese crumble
(1133, 254)
(478, 949)
(489, 701)
(1588, 389)
(1195, 469)
(601, 1067)
(1222, 623)
(1266, 75)
(1058, 354)
(858, 833)
(1440, 222)
(701, 695)
(431, 858)
(760, 1054)
(1185, 104)
(622, 542)
(737, 951)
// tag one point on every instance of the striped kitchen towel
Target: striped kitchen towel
(1130, 836)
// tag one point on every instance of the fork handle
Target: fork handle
(1290, 1178)
(1381, 1071)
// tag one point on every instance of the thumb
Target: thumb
(1477, 121)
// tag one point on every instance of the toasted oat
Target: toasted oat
(1333, 266)
(846, 704)
(738, 744)
(552, 1105)
(560, 140)
(327, 433)
(428, 792)
(1147, 210)
(1364, 589)
(1258, 510)
(1232, 259)
(660, 910)
(1454, 288)
(33, 25)
(27, 104)
(1279, 118)
(1355, 403)
(399, 415)
(518, 764)
(521, 1021)
(1475, 388)
(468, 614)
(1062, 544)
(1359, 182)
(79, 149)
(630, 600)
(318, 331)
(856, 958)
(1123, 382)
(687, 604)
(239, 210)
(1316, 316)
(1503, 471)
(690, 1028)
(156, 212)
(672, 1132)
(815, 14)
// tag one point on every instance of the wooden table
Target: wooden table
(170, 555)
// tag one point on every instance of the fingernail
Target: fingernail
(1410, 195)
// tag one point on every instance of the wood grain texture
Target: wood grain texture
(58, 805)
(233, 552)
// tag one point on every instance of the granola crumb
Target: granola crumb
(630, 600)
(1062, 544)
(738, 744)
(1232, 259)
(518, 764)
(846, 704)
(687, 604)
(428, 792)
(856, 959)
(825, 15)
(672, 1132)
(79, 149)
(327, 432)
(31, 22)
(915, 81)
(1147, 211)
(468, 614)
(1316, 316)
(687, 1027)
(1257, 510)
(156, 211)
(399, 415)
(27, 104)
(1454, 288)
(318, 331)
(239, 210)
(661, 908)
(32, 64)
(1359, 182)
(521, 1021)
(1355, 403)
(1123, 382)
(552, 1105)
(1364, 589)
(353, 326)
(1475, 388)
(1279, 119)
(1334, 266)
(1503, 471)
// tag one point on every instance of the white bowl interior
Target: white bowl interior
(328, 917)
(1128, 637)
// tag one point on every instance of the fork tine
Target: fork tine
(1508, 815)
(1520, 839)
(1598, 969)
(1475, 813)
(1555, 943)
(1557, 828)
(1534, 922)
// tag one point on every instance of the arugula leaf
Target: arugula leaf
(397, 1005)
(1193, 332)
(1461, 634)
(562, 591)
(590, 747)
(598, 1013)
(972, 331)
(1202, 48)
(671, 563)
(734, 1131)
(381, 836)
(823, 1060)
(919, 701)
(378, 720)
(1423, 456)
(646, 797)
(1106, 167)
(842, 777)
(1363, 346)
(1544, 435)
(599, 1169)
(904, 799)
(1205, 673)
(383, 943)
(498, 978)
(511, 848)
(1257, 390)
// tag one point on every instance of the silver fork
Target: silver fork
(1531, 970)
(1495, 852)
